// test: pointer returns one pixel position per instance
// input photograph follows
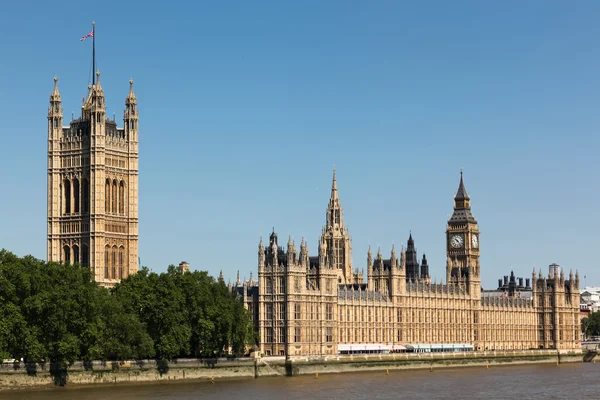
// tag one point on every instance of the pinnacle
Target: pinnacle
(461, 194)
(334, 190)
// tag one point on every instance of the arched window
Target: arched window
(121, 251)
(122, 198)
(85, 256)
(106, 261)
(85, 196)
(76, 195)
(114, 197)
(67, 255)
(67, 192)
(107, 196)
(75, 254)
(114, 263)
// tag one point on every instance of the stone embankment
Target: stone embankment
(19, 375)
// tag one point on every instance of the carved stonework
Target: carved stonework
(77, 195)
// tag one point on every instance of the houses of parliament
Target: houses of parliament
(306, 305)
(93, 186)
(301, 304)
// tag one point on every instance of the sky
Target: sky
(246, 107)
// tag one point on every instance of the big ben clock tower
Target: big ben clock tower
(462, 241)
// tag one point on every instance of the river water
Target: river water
(567, 381)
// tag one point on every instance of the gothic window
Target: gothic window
(67, 255)
(76, 195)
(106, 261)
(328, 286)
(114, 197)
(329, 312)
(297, 335)
(339, 255)
(269, 285)
(121, 262)
(56, 122)
(281, 335)
(85, 196)
(67, 197)
(269, 335)
(121, 198)
(85, 255)
(107, 197)
(281, 311)
(113, 264)
(298, 314)
(281, 285)
(270, 311)
(329, 334)
(75, 254)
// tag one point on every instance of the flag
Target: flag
(91, 34)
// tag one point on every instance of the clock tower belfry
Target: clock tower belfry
(462, 243)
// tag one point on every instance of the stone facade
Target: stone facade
(93, 187)
(303, 305)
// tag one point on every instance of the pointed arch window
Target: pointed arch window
(114, 194)
(122, 198)
(67, 199)
(76, 196)
(107, 196)
(75, 254)
(67, 255)
(85, 196)
(114, 263)
(106, 261)
(121, 255)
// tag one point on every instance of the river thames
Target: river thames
(567, 381)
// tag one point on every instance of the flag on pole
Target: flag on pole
(91, 34)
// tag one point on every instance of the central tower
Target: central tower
(93, 187)
(336, 239)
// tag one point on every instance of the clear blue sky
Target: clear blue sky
(246, 106)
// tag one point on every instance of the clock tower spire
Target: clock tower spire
(462, 241)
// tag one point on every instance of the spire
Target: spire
(98, 86)
(461, 194)
(55, 96)
(238, 282)
(221, 277)
(130, 96)
(334, 191)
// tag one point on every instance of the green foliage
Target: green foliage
(58, 314)
(591, 326)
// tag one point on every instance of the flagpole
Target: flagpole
(93, 53)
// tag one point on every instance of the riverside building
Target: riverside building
(93, 186)
(320, 305)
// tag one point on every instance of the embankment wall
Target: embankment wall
(19, 375)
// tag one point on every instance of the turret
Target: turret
(55, 113)
(130, 118)
(370, 269)
(261, 259)
(424, 268)
(291, 253)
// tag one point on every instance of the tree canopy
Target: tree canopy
(56, 313)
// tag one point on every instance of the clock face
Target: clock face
(457, 241)
(475, 241)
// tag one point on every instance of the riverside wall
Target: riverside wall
(21, 376)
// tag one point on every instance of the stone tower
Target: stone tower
(462, 242)
(93, 187)
(336, 238)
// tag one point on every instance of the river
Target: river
(567, 381)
